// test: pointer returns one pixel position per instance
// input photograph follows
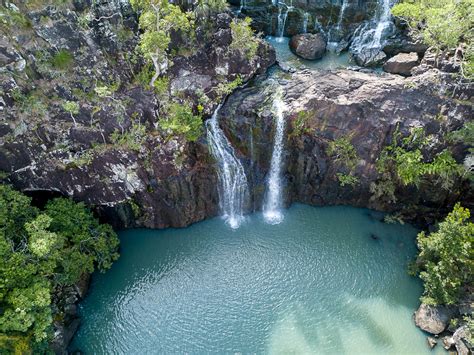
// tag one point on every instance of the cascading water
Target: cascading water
(273, 197)
(332, 42)
(282, 15)
(242, 6)
(233, 186)
(370, 36)
(305, 22)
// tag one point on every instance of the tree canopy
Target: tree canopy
(446, 259)
(41, 250)
(442, 24)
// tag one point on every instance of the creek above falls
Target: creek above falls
(325, 280)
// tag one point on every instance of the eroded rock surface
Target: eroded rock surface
(433, 319)
(308, 46)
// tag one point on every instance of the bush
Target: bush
(243, 38)
(182, 121)
(41, 250)
(443, 24)
(446, 259)
(62, 60)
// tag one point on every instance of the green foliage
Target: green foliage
(157, 19)
(410, 167)
(10, 18)
(300, 124)
(39, 252)
(62, 60)
(132, 139)
(71, 107)
(243, 38)
(31, 104)
(465, 135)
(347, 179)
(443, 24)
(342, 151)
(205, 9)
(181, 121)
(224, 89)
(446, 259)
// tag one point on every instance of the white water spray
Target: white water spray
(273, 197)
(233, 186)
(370, 36)
(282, 15)
(305, 22)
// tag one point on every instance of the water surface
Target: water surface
(326, 280)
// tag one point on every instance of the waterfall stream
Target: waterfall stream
(305, 22)
(282, 15)
(370, 36)
(233, 185)
(273, 197)
(336, 32)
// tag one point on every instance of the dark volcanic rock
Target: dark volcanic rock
(368, 108)
(308, 46)
(402, 64)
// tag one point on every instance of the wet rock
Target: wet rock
(433, 319)
(448, 342)
(401, 64)
(404, 44)
(431, 342)
(308, 46)
(369, 58)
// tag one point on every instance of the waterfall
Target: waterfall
(332, 43)
(282, 15)
(370, 35)
(233, 186)
(273, 196)
(305, 22)
(242, 6)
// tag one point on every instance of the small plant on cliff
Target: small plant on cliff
(42, 251)
(243, 38)
(342, 151)
(300, 124)
(180, 120)
(224, 89)
(72, 108)
(446, 259)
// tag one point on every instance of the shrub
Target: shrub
(446, 259)
(41, 250)
(243, 38)
(181, 121)
(62, 60)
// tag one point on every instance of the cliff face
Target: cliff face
(368, 110)
(145, 178)
(109, 153)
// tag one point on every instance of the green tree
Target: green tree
(243, 38)
(446, 259)
(443, 24)
(41, 251)
(157, 19)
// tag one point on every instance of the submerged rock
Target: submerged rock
(308, 46)
(402, 64)
(433, 319)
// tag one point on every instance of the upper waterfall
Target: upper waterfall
(273, 197)
(370, 36)
(233, 185)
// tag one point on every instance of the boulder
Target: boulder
(401, 64)
(431, 342)
(433, 319)
(308, 46)
(369, 58)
